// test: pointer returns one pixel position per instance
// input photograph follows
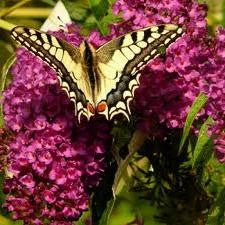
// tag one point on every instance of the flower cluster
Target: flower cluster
(54, 164)
(52, 174)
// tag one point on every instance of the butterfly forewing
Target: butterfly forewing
(63, 58)
(120, 60)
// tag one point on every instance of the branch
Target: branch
(30, 12)
(6, 25)
(7, 11)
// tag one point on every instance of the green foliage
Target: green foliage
(121, 135)
(217, 214)
(78, 10)
(103, 15)
(106, 20)
(171, 186)
(203, 148)
(49, 2)
(107, 213)
(197, 105)
(223, 13)
(99, 8)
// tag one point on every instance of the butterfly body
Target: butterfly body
(103, 80)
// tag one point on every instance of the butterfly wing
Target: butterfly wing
(64, 59)
(119, 63)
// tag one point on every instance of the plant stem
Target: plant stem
(30, 12)
(7, 11)
(6, 25)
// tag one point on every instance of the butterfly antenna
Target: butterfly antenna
(64, 24)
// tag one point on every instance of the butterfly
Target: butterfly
(103, 80)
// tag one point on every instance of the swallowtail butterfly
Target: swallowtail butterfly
(103, 80)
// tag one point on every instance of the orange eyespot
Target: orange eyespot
(90, 108)
(101, 107)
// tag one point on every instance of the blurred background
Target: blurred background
(33, 13)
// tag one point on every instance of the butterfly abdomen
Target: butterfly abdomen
(88, 60)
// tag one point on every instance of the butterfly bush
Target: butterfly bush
(54, 163)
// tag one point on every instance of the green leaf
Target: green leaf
(102, 12)
(198, 104)
(217, 214)
(121, 135)
(112, 1)
(5, 71)
(99, 8)
(5, 221)
(84, 217)
(107, 213)
(203, 148)
(7, 11)
(223, 13)
(106, 20)
(78, 10)
(3, 81)
(135, 143)
(5, 53)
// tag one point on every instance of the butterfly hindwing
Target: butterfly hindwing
(63, 58)
(119, 63)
